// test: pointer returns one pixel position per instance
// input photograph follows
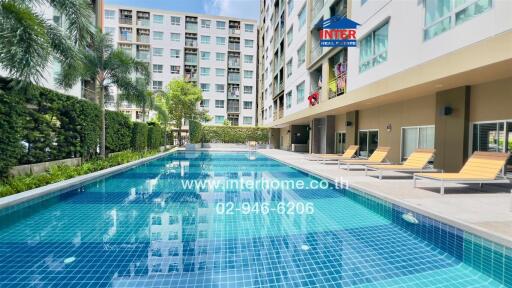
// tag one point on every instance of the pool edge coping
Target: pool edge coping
(465, 226)
(31, 194)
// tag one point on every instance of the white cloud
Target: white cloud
(234, 8)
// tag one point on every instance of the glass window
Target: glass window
(248, 74)
(219, 103)
(205, 87)
(157, 85)
(158, 35)
(247, 120)
(158, 19)
(219, 119)
(368, 142)
(416, 137)
(205, 39)
(158, 68)
(301, 92)
(205, 103)
(204, 71)
(175, 53)
(205, 55)
(220, 40)
(374, 48)
(288, 100)
(206, 23)
(302, 17)
(221, 25)
(175, 69)
(363, 2)
(219, 88)
(289, 36)
(301, 55)
(289, 66)
(248, 43)
(248, 59)
(247, 89)
(175, 20)
(471, 10)
(175, 37)
(110, 14)
(247, 104)
(220, 56)
(290, 6)
(249, 28)
(219, 72)
(158, 52)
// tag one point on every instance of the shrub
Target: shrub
(234, 134)
(10, 118)
(195, 128)
(155, 136)
(139, 136)
(118, 131)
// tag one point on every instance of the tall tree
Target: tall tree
(181, 99)
(140, 97)
(30, 42)
(108, 68)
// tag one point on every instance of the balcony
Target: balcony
(143, 38)
(143, 56)
(190, 59)
(233, 77)
(233, 106)
(143, 22)
(233, 62)
(234, 46)
(337, 86)
(191, 43)
(126, 21)
(316, 52)
(191, 27)
(278, 88)
(125, 37)
(317, 8)
(191, 77)
(234, 31)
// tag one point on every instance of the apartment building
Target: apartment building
(424, 74)
(216, 53)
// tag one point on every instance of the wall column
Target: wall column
(352, 118)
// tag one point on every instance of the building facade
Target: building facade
(436, 76)
(217, 53)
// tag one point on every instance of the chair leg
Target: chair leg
(380, 174)
(414, 181)
(366, 171)
(442, 187)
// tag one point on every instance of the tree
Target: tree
(30, 42)
(108, 68)
(141, 97)
(181, 99)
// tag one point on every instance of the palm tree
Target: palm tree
(30, 42)
(141, 97)
(108, 68)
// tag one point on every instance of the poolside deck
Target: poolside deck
(486, 212)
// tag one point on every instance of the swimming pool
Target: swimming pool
(143, 228)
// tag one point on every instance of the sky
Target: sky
(235, 8)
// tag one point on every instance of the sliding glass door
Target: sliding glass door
(368, 141)
(416, 137)
(493, 137)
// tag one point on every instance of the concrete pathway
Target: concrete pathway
(486, 212)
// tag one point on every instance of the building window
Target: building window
(158, 19)
(494, 137)
(442, 15)
(364, 2)
(219, 103)
(289, 36)
(157, 85)
(175, 53)
(205, 103)
(219, 119)
(416, 137)
(110, 14)
(249, 28)
(302, 17)
(219, 88)
(248, 59)
(288, 100)
(368, 141)
(175, 20)
(221, 25)
(111, 31)
(158, 52)
(290, 6)
(220, 56)
(204, 71)
(247, 89)
(219, 72)
(247, 120)
(205, 87)
(175, 37)
(248, 74)
(374, 48)
(289, 66)
(301, 92)
(158, 68)
(220, 40)
(301, 55)
(206, 23)
(175, 69)
(158, 35)
(205, 55)
(205, 39)
(247, 104)
(248, 43)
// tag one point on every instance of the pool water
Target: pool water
(142, 228)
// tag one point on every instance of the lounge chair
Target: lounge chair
(482, 168)
(349, 154)
(416, 162)
(377, 157)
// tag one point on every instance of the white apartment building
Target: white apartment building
(217, 53)
(425, 74)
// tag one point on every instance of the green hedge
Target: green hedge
(118, 127)
(155, 136)
(195, 130)
(234, 134)
(139, 136)
(10, 125)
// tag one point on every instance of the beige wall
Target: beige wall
(491, 101)
(415, 112)
(286, 139)
(340, 122)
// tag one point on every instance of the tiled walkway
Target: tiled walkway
(486, 212)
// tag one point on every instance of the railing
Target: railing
(126, 21)
(337, 86)
(234, 31)
(278, 88)
(317, 7)
(143, 56)
(191, 27)
(126, 37)
(191, 76)
(234, 46)
(233, 95)
(191, 59)
(143, 22)
(234, 78)
(316, 52)
(234, 109)
(143, 38)
(234, 62)
(190, 43)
